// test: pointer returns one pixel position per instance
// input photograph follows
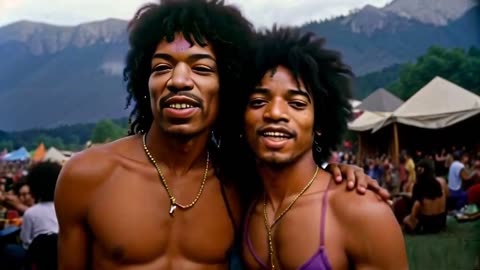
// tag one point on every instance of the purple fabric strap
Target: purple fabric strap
(323, 216)
(247, 238)
(318, 261)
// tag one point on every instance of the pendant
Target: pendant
(172, 209)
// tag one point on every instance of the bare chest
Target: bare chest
(130, 222)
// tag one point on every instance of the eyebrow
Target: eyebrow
(291, 92)
(295, 92)
(190, 58)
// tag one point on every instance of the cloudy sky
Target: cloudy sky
(260, 12)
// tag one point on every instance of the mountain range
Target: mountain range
(55, 75)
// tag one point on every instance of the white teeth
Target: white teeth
(180, 106)
(276, 134)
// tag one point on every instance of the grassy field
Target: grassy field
(458, 248)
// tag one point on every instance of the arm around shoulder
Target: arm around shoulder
(376, 240)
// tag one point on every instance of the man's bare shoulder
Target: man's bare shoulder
(84, 172)
(95, 163)
(372, 229)
(353, 208)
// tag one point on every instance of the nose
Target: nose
(181, 79)
(276, 111)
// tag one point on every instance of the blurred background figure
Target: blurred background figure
(429, 213)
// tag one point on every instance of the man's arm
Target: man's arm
(356, 179)
(444, 185)
(465, 177)
(376, 240)
(412, 220)
(13, 201)
(70, 206)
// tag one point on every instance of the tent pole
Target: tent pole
(396, 145)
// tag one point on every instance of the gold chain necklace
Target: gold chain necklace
(275, 221)
(173, 201)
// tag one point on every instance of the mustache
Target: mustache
(163, 101)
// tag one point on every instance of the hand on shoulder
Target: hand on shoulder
(375, 240)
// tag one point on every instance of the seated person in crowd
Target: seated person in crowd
(458, 179)
(473, 193)
(40, 218)
(20, 199)
(410, 170)
(429, 195)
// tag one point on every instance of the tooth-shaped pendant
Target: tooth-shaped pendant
(172, 209)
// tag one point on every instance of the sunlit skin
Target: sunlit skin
(112, 209)
(117, 212)
(183, 88)
(360, 231)
(275, 109)
(25, 196)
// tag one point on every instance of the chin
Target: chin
(184, 130)
(275, 160)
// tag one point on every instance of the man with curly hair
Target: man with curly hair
(168, 196)
(294, 116)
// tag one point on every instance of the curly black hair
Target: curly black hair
(42, 179)
(323, 73)
(426, 186)
(202, 22)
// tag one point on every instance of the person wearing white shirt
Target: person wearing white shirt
(41, 218)
(456, 176)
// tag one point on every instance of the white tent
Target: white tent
(355, 103)
(438, 104)
(53, 154)
(377, 108)
(380, 101)
(368, 120)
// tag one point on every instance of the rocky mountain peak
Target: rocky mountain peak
(436, 12)
(41, 38)
(370, 19)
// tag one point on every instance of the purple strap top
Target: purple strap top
(318, 261)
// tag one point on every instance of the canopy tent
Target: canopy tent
(377, 108)
(39, 153)
(380, 101)
(53, 154)
(368, 120)
(438, 104)
(19, 154)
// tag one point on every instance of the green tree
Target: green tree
(6, 144)
(107, 130)
(367, 84)
(47, 140)
(456, 65)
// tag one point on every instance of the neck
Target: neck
(178, 153)
(282, 182)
